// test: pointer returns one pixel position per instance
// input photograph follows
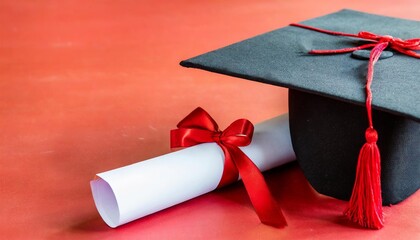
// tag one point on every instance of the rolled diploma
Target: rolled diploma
(134, 191)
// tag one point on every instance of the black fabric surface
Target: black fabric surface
(327, 134)
(280, 58)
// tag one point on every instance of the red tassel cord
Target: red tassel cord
(365, 205)
(407, 46)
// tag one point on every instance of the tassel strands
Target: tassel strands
(365, 206)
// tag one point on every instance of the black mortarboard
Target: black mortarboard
(327, 97)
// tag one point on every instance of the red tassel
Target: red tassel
(365, 206)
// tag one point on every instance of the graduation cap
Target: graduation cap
(331, 108)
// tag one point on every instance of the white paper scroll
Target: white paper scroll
(134, 191)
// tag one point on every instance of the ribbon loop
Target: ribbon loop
(368, 36)
(200, 127)
(199, 119)
(238, 133)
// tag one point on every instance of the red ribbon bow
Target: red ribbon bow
(199, 127)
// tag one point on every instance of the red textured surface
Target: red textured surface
(88, 86)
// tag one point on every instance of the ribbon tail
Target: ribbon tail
(230, 171)
(406, 52)
(343, 50)
(262, 200)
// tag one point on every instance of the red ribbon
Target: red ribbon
(199, 127)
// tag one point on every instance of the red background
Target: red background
(88, 86)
